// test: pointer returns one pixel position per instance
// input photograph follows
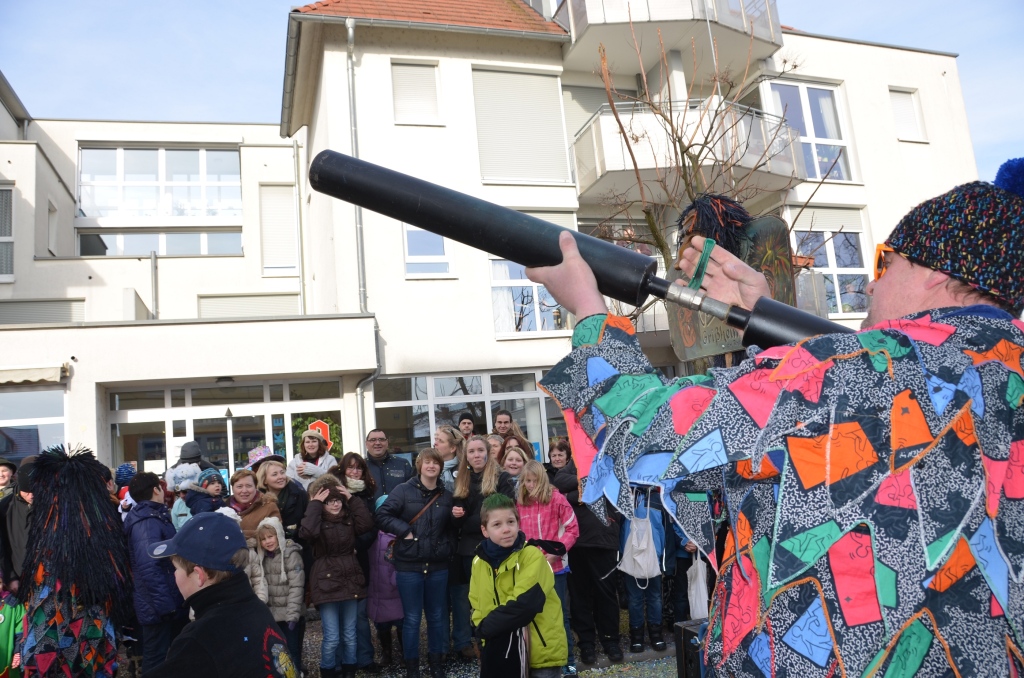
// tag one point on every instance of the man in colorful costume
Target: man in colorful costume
(872, 483)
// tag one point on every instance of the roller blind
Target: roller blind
(6, 231)
(564, 219)
(248, 305)
(827, 219)
(519, 127)
(905, 115)
(277, 228)
(42, 311)
(415, 91)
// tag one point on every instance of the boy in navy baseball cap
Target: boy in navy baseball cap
(234, 633)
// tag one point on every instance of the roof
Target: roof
(505, 15)
(10, 100)
(797, 31)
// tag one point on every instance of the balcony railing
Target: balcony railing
(730, 134)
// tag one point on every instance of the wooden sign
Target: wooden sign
(697, 335)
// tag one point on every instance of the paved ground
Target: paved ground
(647, 664)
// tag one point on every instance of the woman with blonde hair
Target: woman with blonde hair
(450, 442)
(513, 459)
(545, 515)
(479, 477)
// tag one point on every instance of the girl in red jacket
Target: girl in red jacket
(546, 515)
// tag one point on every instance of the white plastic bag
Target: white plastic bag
(639, 557)
(697, 585)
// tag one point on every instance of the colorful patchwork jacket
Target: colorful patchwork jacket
(873, 484)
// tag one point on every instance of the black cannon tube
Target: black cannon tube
(621, 274)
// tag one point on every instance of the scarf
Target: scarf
(355, 486)
(448, 474)
(495, 555)
(241, 508)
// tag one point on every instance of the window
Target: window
(425, 254)
(6, 235)
(183, 243)
(812, 111)
(158, 182)
(149, 423)
(519, 128)
(30, 421)
(415, 91)
(519, 305)
(906, 115)
(835, 238)
(278, 241)
(409, 409)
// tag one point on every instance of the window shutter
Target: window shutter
(277, 228)
(248, 305)
(563, 219)
(6, 232)
(904, 114)
(828, 219)
(415, 91)
(42, 311)
(519, 127)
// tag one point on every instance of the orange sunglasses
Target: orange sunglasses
(881, 264)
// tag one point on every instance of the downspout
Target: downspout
(350, 26)
(298, 227)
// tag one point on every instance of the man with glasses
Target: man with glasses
(388, 471)
(872, 484)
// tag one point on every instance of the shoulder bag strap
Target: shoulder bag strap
(423, 510)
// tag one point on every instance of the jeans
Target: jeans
(157, 639)
(462, 636)
(561, 588)
(423, 594)
(651, 595)
(364, 645)
(339, 627)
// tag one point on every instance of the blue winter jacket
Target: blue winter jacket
(201, 501)
(156, 595)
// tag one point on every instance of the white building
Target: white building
(257, 315)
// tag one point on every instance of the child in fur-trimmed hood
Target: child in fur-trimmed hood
(278, 578)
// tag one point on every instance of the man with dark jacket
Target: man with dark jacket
(234, 635)
(15, 510)
(388, 471)
(158, 604)
(592, 596)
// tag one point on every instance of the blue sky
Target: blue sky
(223, 60)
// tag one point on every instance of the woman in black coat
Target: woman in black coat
(419, 513)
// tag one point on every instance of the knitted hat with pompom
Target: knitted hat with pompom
(974, 233)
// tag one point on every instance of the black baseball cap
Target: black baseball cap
(209, 540)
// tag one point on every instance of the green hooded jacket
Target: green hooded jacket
(520, 592)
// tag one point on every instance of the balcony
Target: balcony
(762, 148)
(734, 25)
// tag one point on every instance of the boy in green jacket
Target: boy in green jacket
(512, 587)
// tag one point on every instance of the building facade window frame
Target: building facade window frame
(833, 247)
(179, 414)
(6, 233)
(818, 143)
(26, 420)
(117, 183)
(425, 400)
